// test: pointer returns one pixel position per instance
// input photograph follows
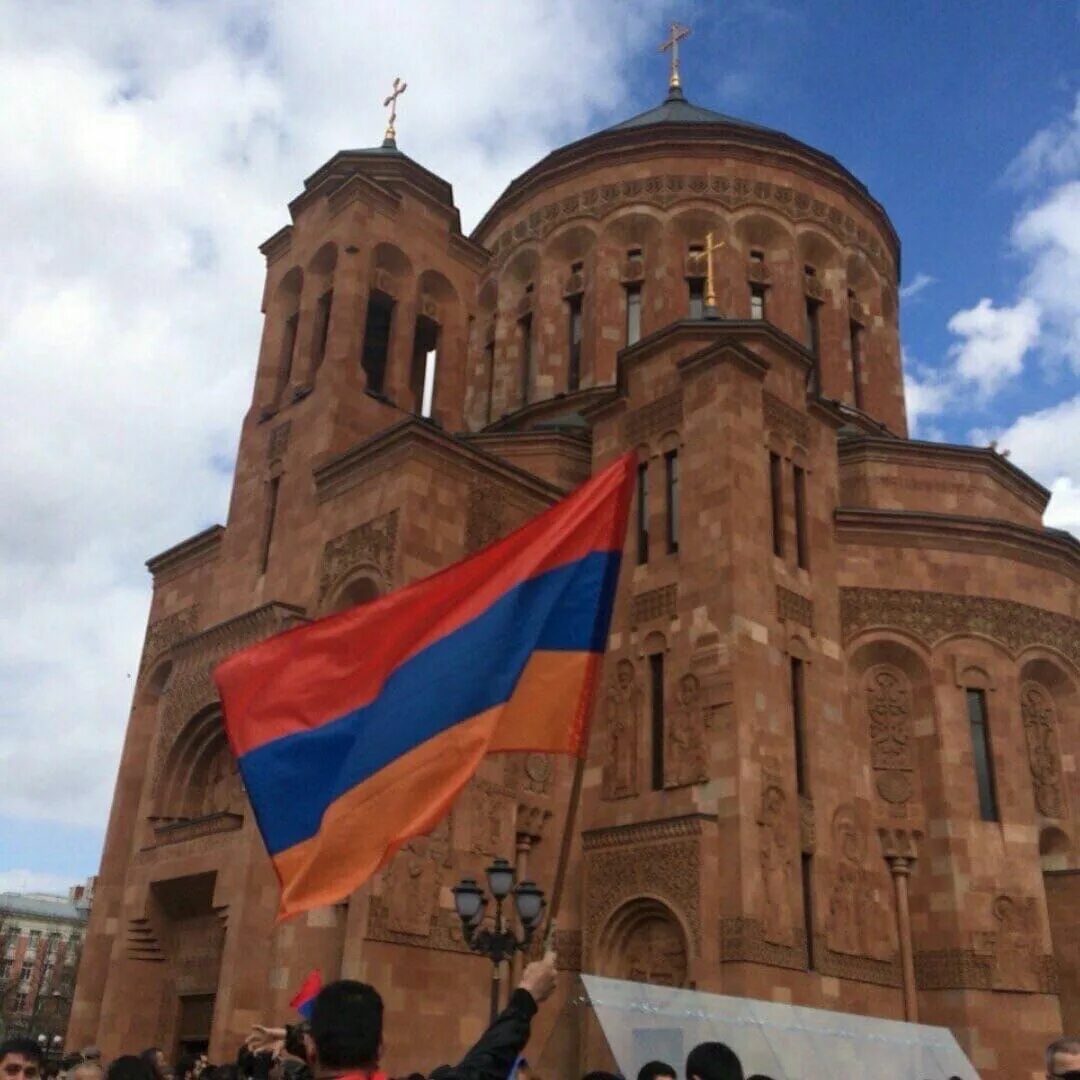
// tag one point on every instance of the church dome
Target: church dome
(677, 125)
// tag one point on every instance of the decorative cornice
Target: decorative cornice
(663, 190)
(176, 832)
(561, 404)
(952, 531)
(932, 616)
(229, 635)
(277, 245)
(856, 449)
(410, 438)
(186, 555)
(646, 832)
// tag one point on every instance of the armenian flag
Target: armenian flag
(304, 1000)
(355, 733)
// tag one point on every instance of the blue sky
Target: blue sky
(152, 146)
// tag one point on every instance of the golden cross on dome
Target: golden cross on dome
(671, 44)
(710, 279)
(391, 101)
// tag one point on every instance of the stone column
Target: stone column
(899, 849)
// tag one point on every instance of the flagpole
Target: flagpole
(564, 854)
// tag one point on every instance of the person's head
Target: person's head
(187, 1067)
(713, 1061)
(346, 1027)
(656, 1070)
(154, 1056)
(130, 1067)
(20, 1059)
(1063, 1057)
(86, 1070)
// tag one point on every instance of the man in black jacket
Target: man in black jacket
(345, 1041)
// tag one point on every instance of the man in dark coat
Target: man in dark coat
(345, 1041)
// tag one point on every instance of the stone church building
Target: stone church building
(834, 756)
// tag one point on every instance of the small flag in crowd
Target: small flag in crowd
(357, 732)
(304, 1001)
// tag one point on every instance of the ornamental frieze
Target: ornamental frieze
(163, 634)
(732, 193)
(373, 543)
(932, 616)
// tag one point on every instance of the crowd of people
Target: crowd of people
(344, 1041)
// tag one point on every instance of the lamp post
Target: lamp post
(499, 942)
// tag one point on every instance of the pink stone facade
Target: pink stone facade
(783, 759)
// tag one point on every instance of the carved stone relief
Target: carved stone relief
(622, 720)
(374, 543)
(491, 810)
(654, 604)
(933, 616)
(782, 418)
(411, 883)
(888, 697)
(776, 849)
(530, 774)
(1040, 732)
(163, 634)
(659, 859)
(794, 607)
(190, 688)
(857, 920)
(1015, 944)
(686, 756)
(654, 951)
(485, 513)
(663, 414)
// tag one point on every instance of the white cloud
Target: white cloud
(1044, 319)
(926, 393)
(1046, 444)
(148, 149)
(1051, 153)
(917, 284)
(31, 881)
(995, 342)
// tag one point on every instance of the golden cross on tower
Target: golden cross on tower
(391, 101)
(671, 44)
(710, 278)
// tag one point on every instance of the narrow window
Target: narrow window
(288, 348)
(633, 314)
(573, 377)
(322, 329)
(422, 370)
(984, 764)
(757, 301)
(776, 494)
(671, 499)
(808, 906)
(489, 360)
(802, 552)
(380, 312)
(798, 718)
(656, 691)
(268, 527)
(643, 513)
(526, 333)
(696, 285)
(813, 326)
(856, 362)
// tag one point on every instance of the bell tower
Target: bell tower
(368, 299)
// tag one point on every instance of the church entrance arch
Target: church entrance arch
(644, 941)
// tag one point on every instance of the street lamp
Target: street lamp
(499, 942)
